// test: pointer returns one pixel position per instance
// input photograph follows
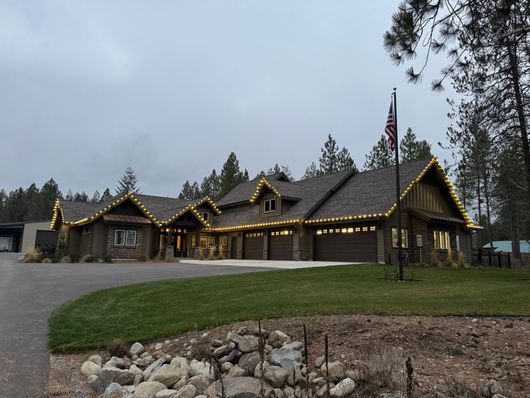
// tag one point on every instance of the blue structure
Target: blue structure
(506, 246)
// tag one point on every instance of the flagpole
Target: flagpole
(398, 201)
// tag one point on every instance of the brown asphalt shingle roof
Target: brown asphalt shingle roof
(369, 192)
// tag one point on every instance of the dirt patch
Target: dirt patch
(444, 350)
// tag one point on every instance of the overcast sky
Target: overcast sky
(170, 88)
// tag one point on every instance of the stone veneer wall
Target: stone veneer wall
(125, 251)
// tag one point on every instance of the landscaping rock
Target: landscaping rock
(96, 359)
(319, 361)
(236, 371)
(277, 339)
(167, 393)
(248, 387)
(167, 375)
(110, 389)
(148, 389)
(491, 388)
(295, 345)
(153, 367)
(221, 351)
(90, 368)
(201, 368)
(109, 375)
(115, 362)
(188, 391)
(275, 375)
(343, 389)
(136, 349)
(201, 383)
(249, 361)
(337, 371)
(183, 364)
(244, 343)
(230, 357)
(286, 357)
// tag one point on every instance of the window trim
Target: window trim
(404, 238)
(116, 236)
(441, 239)
(269, 201)
(130, 231)
(205, 215)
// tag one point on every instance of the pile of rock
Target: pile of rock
(240, 370)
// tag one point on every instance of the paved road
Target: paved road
(30, 292)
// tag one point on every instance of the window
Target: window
(130, 238)
(457, 243)
(441, 240)
(86, 230)
(224, 240)
(119, 237)
(269, 205)
(404, 237)
(205, 215)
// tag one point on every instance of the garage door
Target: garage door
(281, 245)
(356, 244)
(253, 246)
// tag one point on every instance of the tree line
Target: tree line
(487, 45)
(332, 159)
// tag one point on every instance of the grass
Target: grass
(166, 308)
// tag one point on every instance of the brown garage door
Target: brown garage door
(281, 245)
(356, 244)
(253, 246)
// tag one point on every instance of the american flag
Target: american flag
(390, 128)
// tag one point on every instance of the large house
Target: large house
(344, 216)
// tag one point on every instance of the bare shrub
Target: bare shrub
(382, 373)
(89, 258)
(461, 260)
(118, 348)
(65, 259)
(457, 388)
(32, 256)
(435, 260)
(47, 260)
(201, 350)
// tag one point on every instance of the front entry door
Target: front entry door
(180, 243)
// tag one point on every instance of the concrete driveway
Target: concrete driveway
(30, 292)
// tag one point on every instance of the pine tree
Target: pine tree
(106, 196)
(190, 191)
(380, 156)
(96, 198)
(412, 149)
(81, 197)
(32, 199)
(311, 171)
(3, 198)
(16, 207)
(280, 169)
(127, 183)
(211, 186)
(49, 193)
(69, 195)
(345, 161)
(231, 175)
(329, 156)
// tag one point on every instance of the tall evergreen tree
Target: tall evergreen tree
(211, 185)
(69, 195)
(311, 171)
(329, 156)
(33, 203)
(49, 193)
(280, 169)
(380, 156)
(106, 196)
(81, 197)
(345, 161)
(190, 191)
(127, 183)
(96, 198)
(412, 149)
(231, 175)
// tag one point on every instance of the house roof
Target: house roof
(308, 194)
(506, 246)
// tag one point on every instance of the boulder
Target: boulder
(201, 368)
(90, 368)
(247, 387)
(343, 389)
(110, 389)
(319, 361)
(286, 357)
(277, 339)
(297, 376)
(337, 371)
(276, 393)
(201, 383)
(275, 375)
(136, 349)
(295, 345)
(492, 388)
(167, 375)
(188, 391)
(109, 375)
(288, 392)
(182, 363)
(96, 359)
(236, 371)
(148, 389)
(153, 367)
(230, 357)
(167, 393)
(221, 351)
(115, 362)
(244, 343)
(249, 361)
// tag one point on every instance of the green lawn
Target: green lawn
(158, 309)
